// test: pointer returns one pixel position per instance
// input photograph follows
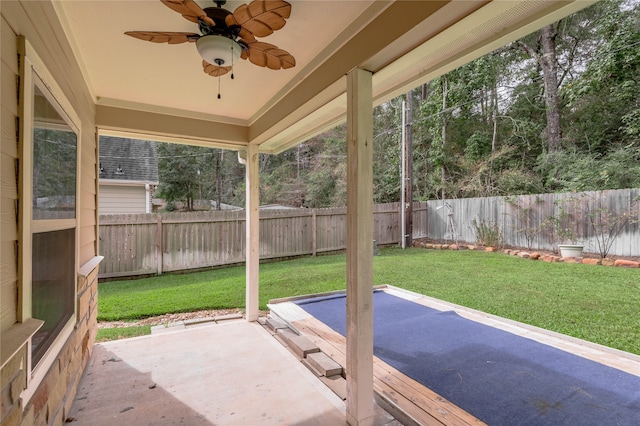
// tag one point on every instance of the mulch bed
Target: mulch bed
(420, 242)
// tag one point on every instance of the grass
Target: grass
(594, 303)
(217, 289)
(106, 334)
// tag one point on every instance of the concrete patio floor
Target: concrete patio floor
(228, 373)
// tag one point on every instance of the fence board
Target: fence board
(518, 216)
(130, 243)
(135, 244)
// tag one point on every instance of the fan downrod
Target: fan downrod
(220, 3)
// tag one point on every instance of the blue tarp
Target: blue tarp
(499, 377)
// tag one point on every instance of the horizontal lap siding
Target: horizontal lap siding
(121, 199)
(8, 183)
(38, 23)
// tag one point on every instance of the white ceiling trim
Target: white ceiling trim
(375, 9)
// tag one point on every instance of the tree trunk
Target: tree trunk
(443, 173)
(549, 63)
(494, 137)
(494, 119)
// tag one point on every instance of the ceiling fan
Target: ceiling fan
(226, 37)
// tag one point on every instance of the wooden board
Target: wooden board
(418, 402)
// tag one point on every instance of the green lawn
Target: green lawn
(594, 303)
(106, 334)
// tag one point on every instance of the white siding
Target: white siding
(118, 199)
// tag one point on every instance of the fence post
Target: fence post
(159, 245)
(401, 213)
(313, 232)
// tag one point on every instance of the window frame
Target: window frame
(34, 72)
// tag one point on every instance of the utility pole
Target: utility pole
(408, 167)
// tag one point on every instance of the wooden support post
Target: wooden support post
(359, 248)
(252, 247)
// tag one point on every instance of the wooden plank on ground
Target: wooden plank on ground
(417, 401)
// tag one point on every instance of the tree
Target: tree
(386, 151)
(604, 103)
(558, 110)
(326, 180)
(545, 56)
(188, 173)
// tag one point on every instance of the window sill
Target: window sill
(90, 266)
(18, 336)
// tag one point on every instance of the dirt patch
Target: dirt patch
(170, 318)
(585, 254)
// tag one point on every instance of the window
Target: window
(54, 162)
(48, 211)
(52, 286)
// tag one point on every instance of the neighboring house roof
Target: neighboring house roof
(131, 160)
(277, 207)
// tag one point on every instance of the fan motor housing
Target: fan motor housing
(219, 15)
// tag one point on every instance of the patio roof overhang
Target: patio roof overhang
(159, 91)
(350, 56)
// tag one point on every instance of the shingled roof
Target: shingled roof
(132, 160)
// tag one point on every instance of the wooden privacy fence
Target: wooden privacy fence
(140, 244)
(517, 217)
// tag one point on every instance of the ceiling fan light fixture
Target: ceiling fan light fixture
(218, 49)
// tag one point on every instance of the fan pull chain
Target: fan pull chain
(219, 86)
(232, 62)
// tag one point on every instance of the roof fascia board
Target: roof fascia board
(129, 123)
(312, 114)
(362, 46)
(320, 120)
(156, 109)
(373, 10)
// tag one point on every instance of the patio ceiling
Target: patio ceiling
(159, 91)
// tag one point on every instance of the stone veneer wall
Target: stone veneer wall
(52, 400)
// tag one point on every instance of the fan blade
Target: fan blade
(268, 55)
(261, 17)
(164, 36)
(189, 9)
(214, 70)
(246, 36)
